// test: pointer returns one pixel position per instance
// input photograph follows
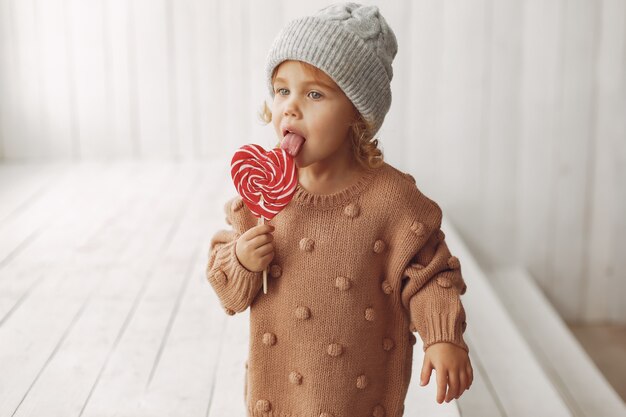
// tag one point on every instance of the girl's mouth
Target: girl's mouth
(292, 143)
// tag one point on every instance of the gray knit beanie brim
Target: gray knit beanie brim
(353, 45)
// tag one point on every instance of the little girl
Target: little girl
(357, 260)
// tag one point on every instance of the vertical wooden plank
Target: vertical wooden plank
(172, 84)
(424, 102)
(88, 73)
(194, 74)
(617, 313)
(496, 243)
(7, 72)
(573, 142)
(242, 13)
(123, 138)
(183, 18)
(26, 139)
(606, 228)
(264, 26)
(394, 135)
(58, 117)
(235, 98)
(463, 95)
(210, 68)
(540, 94)
(153, 77)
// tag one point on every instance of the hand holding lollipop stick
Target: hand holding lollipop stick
(266, 182)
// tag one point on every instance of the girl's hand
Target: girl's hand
(453, 368)
(255, 247)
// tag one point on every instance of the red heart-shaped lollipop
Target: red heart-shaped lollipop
(266, 181)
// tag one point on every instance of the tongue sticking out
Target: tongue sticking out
(292, 143)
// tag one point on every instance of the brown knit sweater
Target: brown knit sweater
(354, 274)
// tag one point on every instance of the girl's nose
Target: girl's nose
(291, 108)
(290, 111)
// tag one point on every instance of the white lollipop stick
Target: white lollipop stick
(265, 270)
(262, 221)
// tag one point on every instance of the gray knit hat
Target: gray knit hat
(350, 42)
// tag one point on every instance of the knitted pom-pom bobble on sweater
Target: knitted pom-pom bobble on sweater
(354, 275)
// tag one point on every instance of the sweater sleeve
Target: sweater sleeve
(235, 286)
(431, 292)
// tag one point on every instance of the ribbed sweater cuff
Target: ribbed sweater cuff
(235, 286)
(437, 314)
(444, 327)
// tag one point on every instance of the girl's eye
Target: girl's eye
(315, 95)
(280, 91)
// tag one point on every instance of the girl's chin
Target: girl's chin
(300, 162)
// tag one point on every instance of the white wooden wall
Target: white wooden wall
(511, 114)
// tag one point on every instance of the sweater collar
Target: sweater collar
(304, 198)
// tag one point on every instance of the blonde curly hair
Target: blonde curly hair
(364, 146)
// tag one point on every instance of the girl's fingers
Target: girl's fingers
(261, 229)
(463, 383)
(442, 382)
(470, 375)
(261, 240)
(427, 369)
(267, 257)
(453, 382)
(265, 249)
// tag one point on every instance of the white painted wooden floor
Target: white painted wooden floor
(105, 309)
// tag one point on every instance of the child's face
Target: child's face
(309, 101)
